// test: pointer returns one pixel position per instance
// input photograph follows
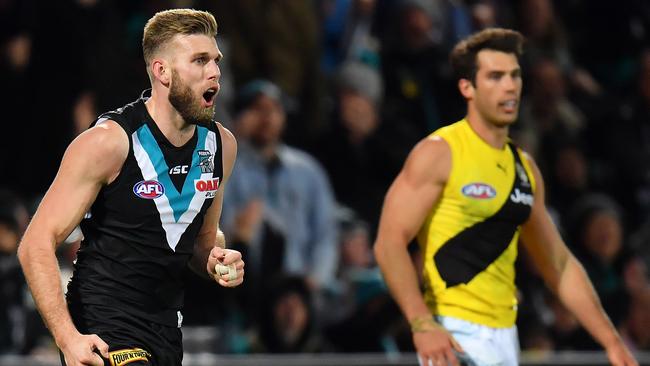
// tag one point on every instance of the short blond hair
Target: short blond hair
(164, 25)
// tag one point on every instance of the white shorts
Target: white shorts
(483, 346)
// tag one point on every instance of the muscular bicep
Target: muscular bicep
(415, 191)
(92, 160)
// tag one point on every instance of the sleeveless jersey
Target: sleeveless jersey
(140, 233)
(469, 239)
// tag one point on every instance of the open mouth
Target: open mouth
(509, 105)
(209, 95)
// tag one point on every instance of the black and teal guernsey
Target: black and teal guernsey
(141, 230)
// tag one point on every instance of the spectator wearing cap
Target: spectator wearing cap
(280, 203)
(358, 150)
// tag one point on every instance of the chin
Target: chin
(507, 121)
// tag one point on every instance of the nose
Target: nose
(214, 72)
(511, 83)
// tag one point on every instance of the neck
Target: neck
(168, 120)
(494, 135)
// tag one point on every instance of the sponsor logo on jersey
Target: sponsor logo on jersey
(480, 191)
(179, 169)
(148, 189)
(125, 356)
(205, 161)
(520, 197)
(209, 186)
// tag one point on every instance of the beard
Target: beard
(187, 104)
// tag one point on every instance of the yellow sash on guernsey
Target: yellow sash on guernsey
(469, 239)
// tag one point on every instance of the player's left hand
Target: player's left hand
(226, 257)
(620, 355)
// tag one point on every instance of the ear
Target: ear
(466, 88)
(161, 71)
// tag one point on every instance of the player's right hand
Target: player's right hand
(435, 346)
(79, 350)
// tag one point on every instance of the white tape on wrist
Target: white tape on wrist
(230, 270)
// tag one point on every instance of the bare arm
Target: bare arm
(410, 198)
(565, 276)
(92, 160)
(211, 243)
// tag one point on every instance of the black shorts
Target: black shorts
(131, 340)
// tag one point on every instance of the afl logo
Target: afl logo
(148, 189)
(479, 191)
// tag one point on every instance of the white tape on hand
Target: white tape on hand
(230, 270)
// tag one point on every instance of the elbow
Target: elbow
(557, 274)
(379, 250)
(31, 248)
(22, 253)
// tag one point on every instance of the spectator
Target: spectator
(419, 88)
(288, 324)
(570, 176)
(598, 237)
(629, 156)
(21, 328)
(357, 151)
(365, 312)
(282, 189)
(547, 115)
(278, 40)
(348, 33)
(12, 288)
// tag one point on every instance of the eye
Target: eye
(494, 75)
(200, 60)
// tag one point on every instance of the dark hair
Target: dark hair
(463, 56)
(277, 288)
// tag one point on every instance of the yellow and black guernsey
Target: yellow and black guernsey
(469, 239)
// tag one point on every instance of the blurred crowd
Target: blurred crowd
(326, 98)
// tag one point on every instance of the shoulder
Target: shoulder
(297, 158)
(303, 165)
(431, 150)
(105, 137)
(531, 166)
(101, 150)
(227, 137)
(529, 161)
(128, 116)
(429, 160)
(452, 130)
(228, 145)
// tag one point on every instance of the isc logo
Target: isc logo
(209, 186)
(479, 191)
(148, 189)
(178, 169)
